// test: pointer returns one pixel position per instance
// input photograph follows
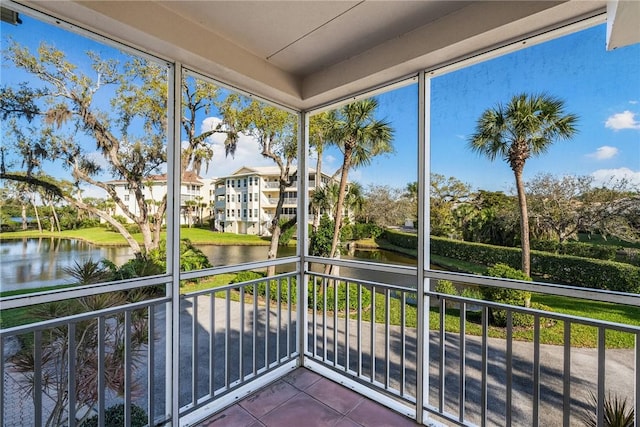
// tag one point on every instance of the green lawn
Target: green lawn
(581, 336)
(103, 237)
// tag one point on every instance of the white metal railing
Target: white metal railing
(471, 379)
(341, 334)
(234, 334)
(117, 354)
(238, 336)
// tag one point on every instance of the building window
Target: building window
(244, 197)
(255, 213)
(244, 213)
(251, 197)
(255, 196)
(126, 197)
(245, 182)
(228, 198)
(250, 213)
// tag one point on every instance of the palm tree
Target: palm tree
(318, 125)
(525, 127)
(355, 130)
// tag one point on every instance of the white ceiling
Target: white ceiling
(308, 53)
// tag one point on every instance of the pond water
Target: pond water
(38, 262)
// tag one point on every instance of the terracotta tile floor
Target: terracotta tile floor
(306, 399)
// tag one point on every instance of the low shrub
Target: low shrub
(114, 417)
(508, 296)
(472, 293)
(274, 285)
(329, 297)
(446, 287)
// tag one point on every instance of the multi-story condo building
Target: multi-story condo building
(245, 201)
(193, 199)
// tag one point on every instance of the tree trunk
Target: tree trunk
(275, 228)
(23, 213)
(524, 224)
(35, 209)
(273, 247)
(147, 237)
(339, 205)
(55, 216)
(316, 217)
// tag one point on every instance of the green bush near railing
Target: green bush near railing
(564, 269)
(329, 294)
(274, 284)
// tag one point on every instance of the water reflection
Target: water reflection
(38, 262)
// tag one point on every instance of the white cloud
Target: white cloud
(602, 177)
(247, 152)
(329, 159)
(604, 152)
(92, 191)
(633, 102)
(624, 120)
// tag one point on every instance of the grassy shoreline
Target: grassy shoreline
(102, 237)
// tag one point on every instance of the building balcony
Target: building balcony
(233, 344)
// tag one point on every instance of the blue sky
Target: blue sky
(601, 87)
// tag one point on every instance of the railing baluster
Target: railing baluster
(241, 337)
(127, 368)
(387, 308)
(442, 350)
(267, 309)
(289, 323)
(403, 343)
(212, 344)
(324, 319)
(151, 363)
(2, 393)
(194, 352)
(636, 409)
(227, 332)
(601, 376)
(254, 331)
(462, 363)
(315, 316)
(278, 321)
(509, 367)
(566, 386)
(536, 370)
(336, 347)
(37, 377)
(347, 330)
(101, 363)
(71, 374)
(359, 330)
(485, 359)
(373, 333)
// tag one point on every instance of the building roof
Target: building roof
(188, 177)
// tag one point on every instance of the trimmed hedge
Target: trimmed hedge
(404, 240)
(564, 269)
(579, 249)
